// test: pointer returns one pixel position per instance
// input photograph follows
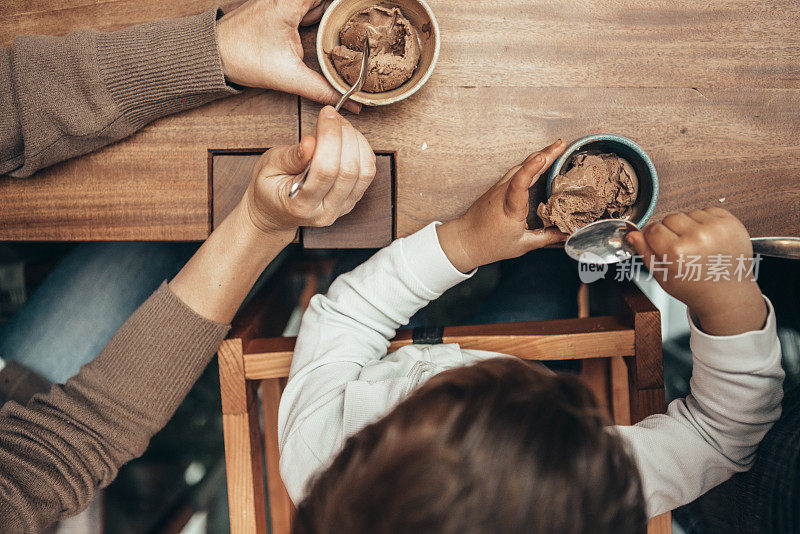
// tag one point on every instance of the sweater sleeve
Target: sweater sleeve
(344, 331)
(57, 450)
(61, 97)
(714, 432)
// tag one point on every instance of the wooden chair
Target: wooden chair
(622, 364)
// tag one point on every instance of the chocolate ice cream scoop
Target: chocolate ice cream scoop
(393, 43)
(594, 186)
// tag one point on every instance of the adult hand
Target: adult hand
(495, 226)
(695, 257)
(342, 167)
(260, 46)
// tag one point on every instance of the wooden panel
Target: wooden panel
(154, 185)
(645, 402)
(230, 176)
(243, 453)
(734, 149)
(595, 374)
(369, 225)
(618, 43)
(661, 524)
(602, 43)
(595, 337)
(693, 84)
(648, 365)
(281, 509)
(231, 377)
(57, 17)
(245, 475)
(620, 394)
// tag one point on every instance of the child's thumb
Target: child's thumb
(542, 237)
(639, 242)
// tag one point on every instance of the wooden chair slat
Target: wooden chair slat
(563, 339)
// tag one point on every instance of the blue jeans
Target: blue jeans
(71, 317)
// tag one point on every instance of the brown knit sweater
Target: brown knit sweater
(61, 97)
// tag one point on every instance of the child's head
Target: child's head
(501, 446)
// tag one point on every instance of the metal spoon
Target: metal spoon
(604, 241)
(297, 185)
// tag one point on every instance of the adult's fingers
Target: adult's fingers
(314, 86)
(516, 201)
(367, 173)
(349, 171)
(533, 239)
(327, 157)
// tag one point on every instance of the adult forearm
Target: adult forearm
(218, 277)
(67, 96)
(79, 434)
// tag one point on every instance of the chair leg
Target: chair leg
(646, 373)
(660, 524)
(243, 454)
(281, 508)
(594, 371)
(620, 396)
(595, 374)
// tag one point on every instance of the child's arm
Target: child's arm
(350, 327)
(736, 392)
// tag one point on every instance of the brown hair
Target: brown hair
(500, 446)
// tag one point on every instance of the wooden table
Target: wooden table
(711, 90)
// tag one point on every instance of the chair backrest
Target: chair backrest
(621, 357)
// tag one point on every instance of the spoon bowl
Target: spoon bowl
(601, 242)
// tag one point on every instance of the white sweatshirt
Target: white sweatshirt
(342, 379)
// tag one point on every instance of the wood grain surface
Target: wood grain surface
(709, 91)
(369, 225)
(281, 508)
(560, 339)
(156, 184)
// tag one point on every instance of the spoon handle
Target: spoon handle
(778, 247)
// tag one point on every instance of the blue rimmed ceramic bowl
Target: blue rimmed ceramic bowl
(646, 200)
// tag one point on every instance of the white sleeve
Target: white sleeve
(705, 438)
(343, 331)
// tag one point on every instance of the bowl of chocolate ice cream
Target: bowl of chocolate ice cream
(403, 40)
(600, 176)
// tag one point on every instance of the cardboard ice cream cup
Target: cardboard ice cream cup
(416, 11)
(646, 200)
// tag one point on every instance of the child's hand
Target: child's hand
(342, 168)
(495, 228)
(715, 240)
